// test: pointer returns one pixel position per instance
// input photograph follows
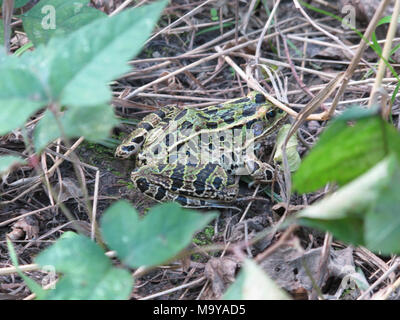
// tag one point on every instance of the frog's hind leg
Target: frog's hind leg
(206, 185)
(258, 170)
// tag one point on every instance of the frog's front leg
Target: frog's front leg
(258, 170)
(191, 185)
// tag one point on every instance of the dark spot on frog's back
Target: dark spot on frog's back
(212, 125)
(249, 110)
(260, 98)
(177, 177)
(212, 111)
(242, 100)
(181, 114)
(160, 194)
(203, 116)
(169, 139)
(187, 125)
(142, 184)
(217, 183)
(160, 113)
(145, 125)
(156, 150)
(250, 123)
(138, 139)
(228, 116)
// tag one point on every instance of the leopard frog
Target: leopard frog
(196, 156)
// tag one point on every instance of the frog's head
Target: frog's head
(273, 116)
(131, 145)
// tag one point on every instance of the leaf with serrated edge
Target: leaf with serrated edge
(93, 123)
(160, 235)
(97, 53)
(357, 214)
(6, 162)
(68, 17)
(87, 272)
(21, 95)
(346, 149)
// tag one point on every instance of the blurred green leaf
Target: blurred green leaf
(97, 53)
(1, 32)
(93, 123)
(6, 162)
(17, 3)
(159, 236)
(375, 45)
(365, 211)
(87, 273)
(253, 283)
(214, 14)
(293, 156)
(351, 145)
(68, 16)
(21, 95)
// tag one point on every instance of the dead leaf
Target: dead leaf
(221, 273)
(27, 226)
(287, 266)
(69, 190)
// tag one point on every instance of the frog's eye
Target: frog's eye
(271, 114)
(129, 149)
(138, 140)
(280, 111)
(260, 98)
(125, 151)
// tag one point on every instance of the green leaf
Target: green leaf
(93, 123)
(87, 273)
(17, 3)
(375, 45)
(253, 283)
(382, 224)
(21, 95)
(291, 148)
(154, 239)
(1, 32)
(23, 49)
(6, 162)
(365, 211)
(97, 53)
(214, 14)
(350, 146)
(55, 18)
